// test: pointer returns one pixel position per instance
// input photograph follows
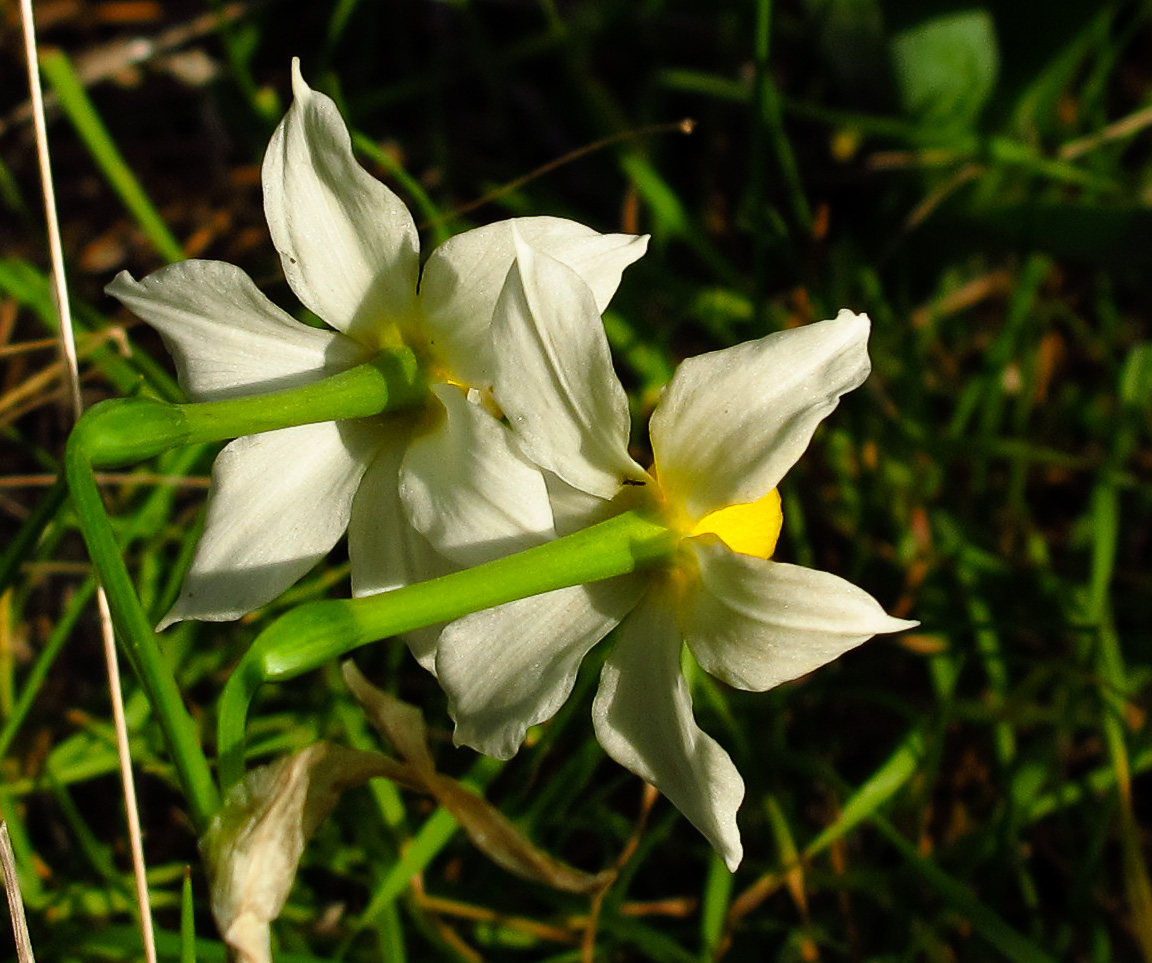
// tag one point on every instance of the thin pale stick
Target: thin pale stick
(68, 343)
(55, 248)
(135, 837)
(1124, 127)
(15, 900)
(38, 388)
(24, 346)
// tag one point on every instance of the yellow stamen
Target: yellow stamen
(748, 529)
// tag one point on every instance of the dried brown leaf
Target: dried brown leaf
(488, 829)
(255, 841)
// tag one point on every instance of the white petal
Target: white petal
(279, 502)
(422, 642)
(384, 548)
(508, 668)
(554, 376)
(464, 275)
(227, 338)
(468, 490)
(573, 509)
(643, 719)
(756, 623)
(348, 244)
(731, 423)
(386, 552)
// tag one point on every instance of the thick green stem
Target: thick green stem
(313, 634)
(124, 431)
(127, 430)
(134, 630)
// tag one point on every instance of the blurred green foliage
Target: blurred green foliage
(975, 176)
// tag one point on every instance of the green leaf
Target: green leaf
(881, 786)
(90, 126)
(1009, 942)
(946, 69)
(1136, 377)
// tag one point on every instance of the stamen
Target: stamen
(747, 529)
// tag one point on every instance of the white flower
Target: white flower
(727, 429)
(349, 249)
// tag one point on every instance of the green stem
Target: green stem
(123, 431)
(126, 430)
(134, 630)
(313, 634)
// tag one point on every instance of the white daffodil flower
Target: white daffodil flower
(350, 252)
(728, 427)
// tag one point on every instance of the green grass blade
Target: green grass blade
(82, 112)
(34, 681)
(21, 545)
(883, 784)
(428, 842)
(187, 920)
(714, 907)
(1010, 943)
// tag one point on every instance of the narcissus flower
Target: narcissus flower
(350, 251)
(728, 427)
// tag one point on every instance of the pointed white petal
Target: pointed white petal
(507, 668)
(643, 719)
(756, 623)
(464, 275)
(227, 338)
(468, 490)
(279, 502)
(386, 552)
(731, 423)
(422, 644)
(348, 244)
(573, 509)
(376, 549)
(554, 377)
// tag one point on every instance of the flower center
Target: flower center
(747, 529)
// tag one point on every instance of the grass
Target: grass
(978, 182)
